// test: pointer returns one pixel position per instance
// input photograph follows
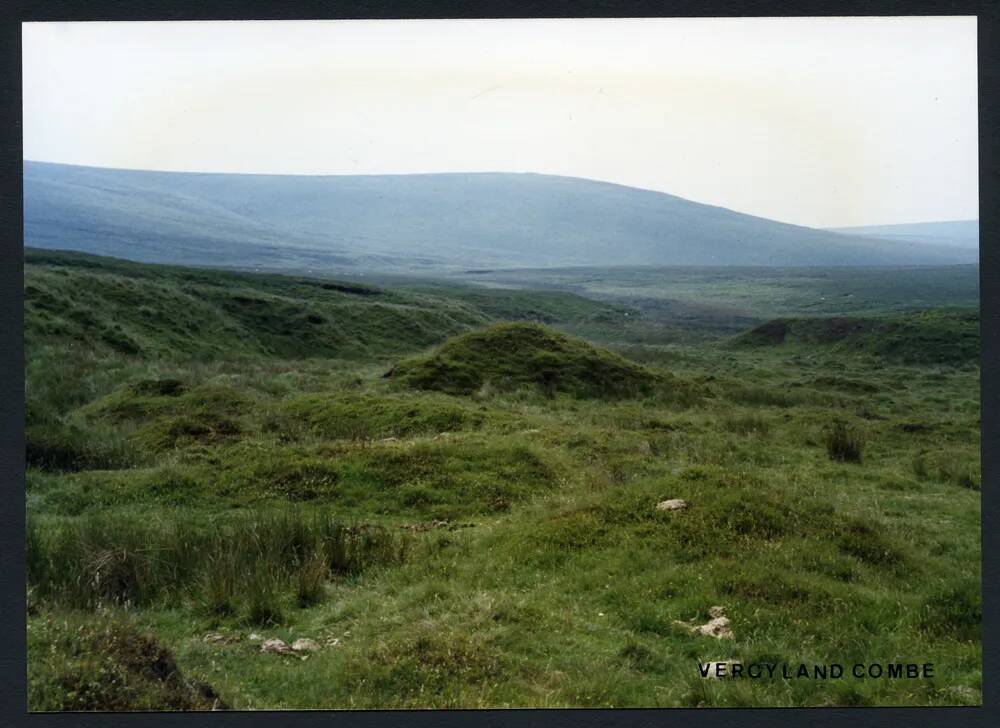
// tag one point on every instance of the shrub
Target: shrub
(844, 444)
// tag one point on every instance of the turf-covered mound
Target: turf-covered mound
(516, 355)
(940, 336)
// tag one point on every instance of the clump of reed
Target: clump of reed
(252, 563)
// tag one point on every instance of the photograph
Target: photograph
(422, 364)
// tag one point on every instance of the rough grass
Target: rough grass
(939, 336)
(79, 663)
(215, 493)
(98, 560)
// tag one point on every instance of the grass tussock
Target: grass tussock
(249, 561)
(844, 443)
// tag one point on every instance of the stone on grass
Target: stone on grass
(219, 639)
(717, 626)
(673, 504)
(276, 646)
(304, 644)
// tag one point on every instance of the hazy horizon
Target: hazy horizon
(821, 122)
(482, 172)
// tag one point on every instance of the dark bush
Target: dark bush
(844, 444)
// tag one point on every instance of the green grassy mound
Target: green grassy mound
(511, 356)
(943, 336)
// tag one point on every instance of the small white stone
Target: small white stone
(304, 644)
(276, 646)
(673, 504)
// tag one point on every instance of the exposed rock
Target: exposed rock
(717, 626)
(304, 644)
(673, 504)
(276, 646)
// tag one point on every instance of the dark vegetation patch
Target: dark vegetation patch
(843, 442)
(158, 387)
(221, 562)
(92, 663)
(57, 445)
(511, 356)
(939, 336)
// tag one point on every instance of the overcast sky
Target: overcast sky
(821, 122)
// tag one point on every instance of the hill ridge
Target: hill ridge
(440, 220)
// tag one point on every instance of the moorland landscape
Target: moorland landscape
(472, 458)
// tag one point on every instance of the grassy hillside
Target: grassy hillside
(417, 222)
(211, 487)
(162, 311)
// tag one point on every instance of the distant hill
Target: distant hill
(952, 233)
(408, 222)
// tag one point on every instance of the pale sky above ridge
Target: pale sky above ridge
(820, 122)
